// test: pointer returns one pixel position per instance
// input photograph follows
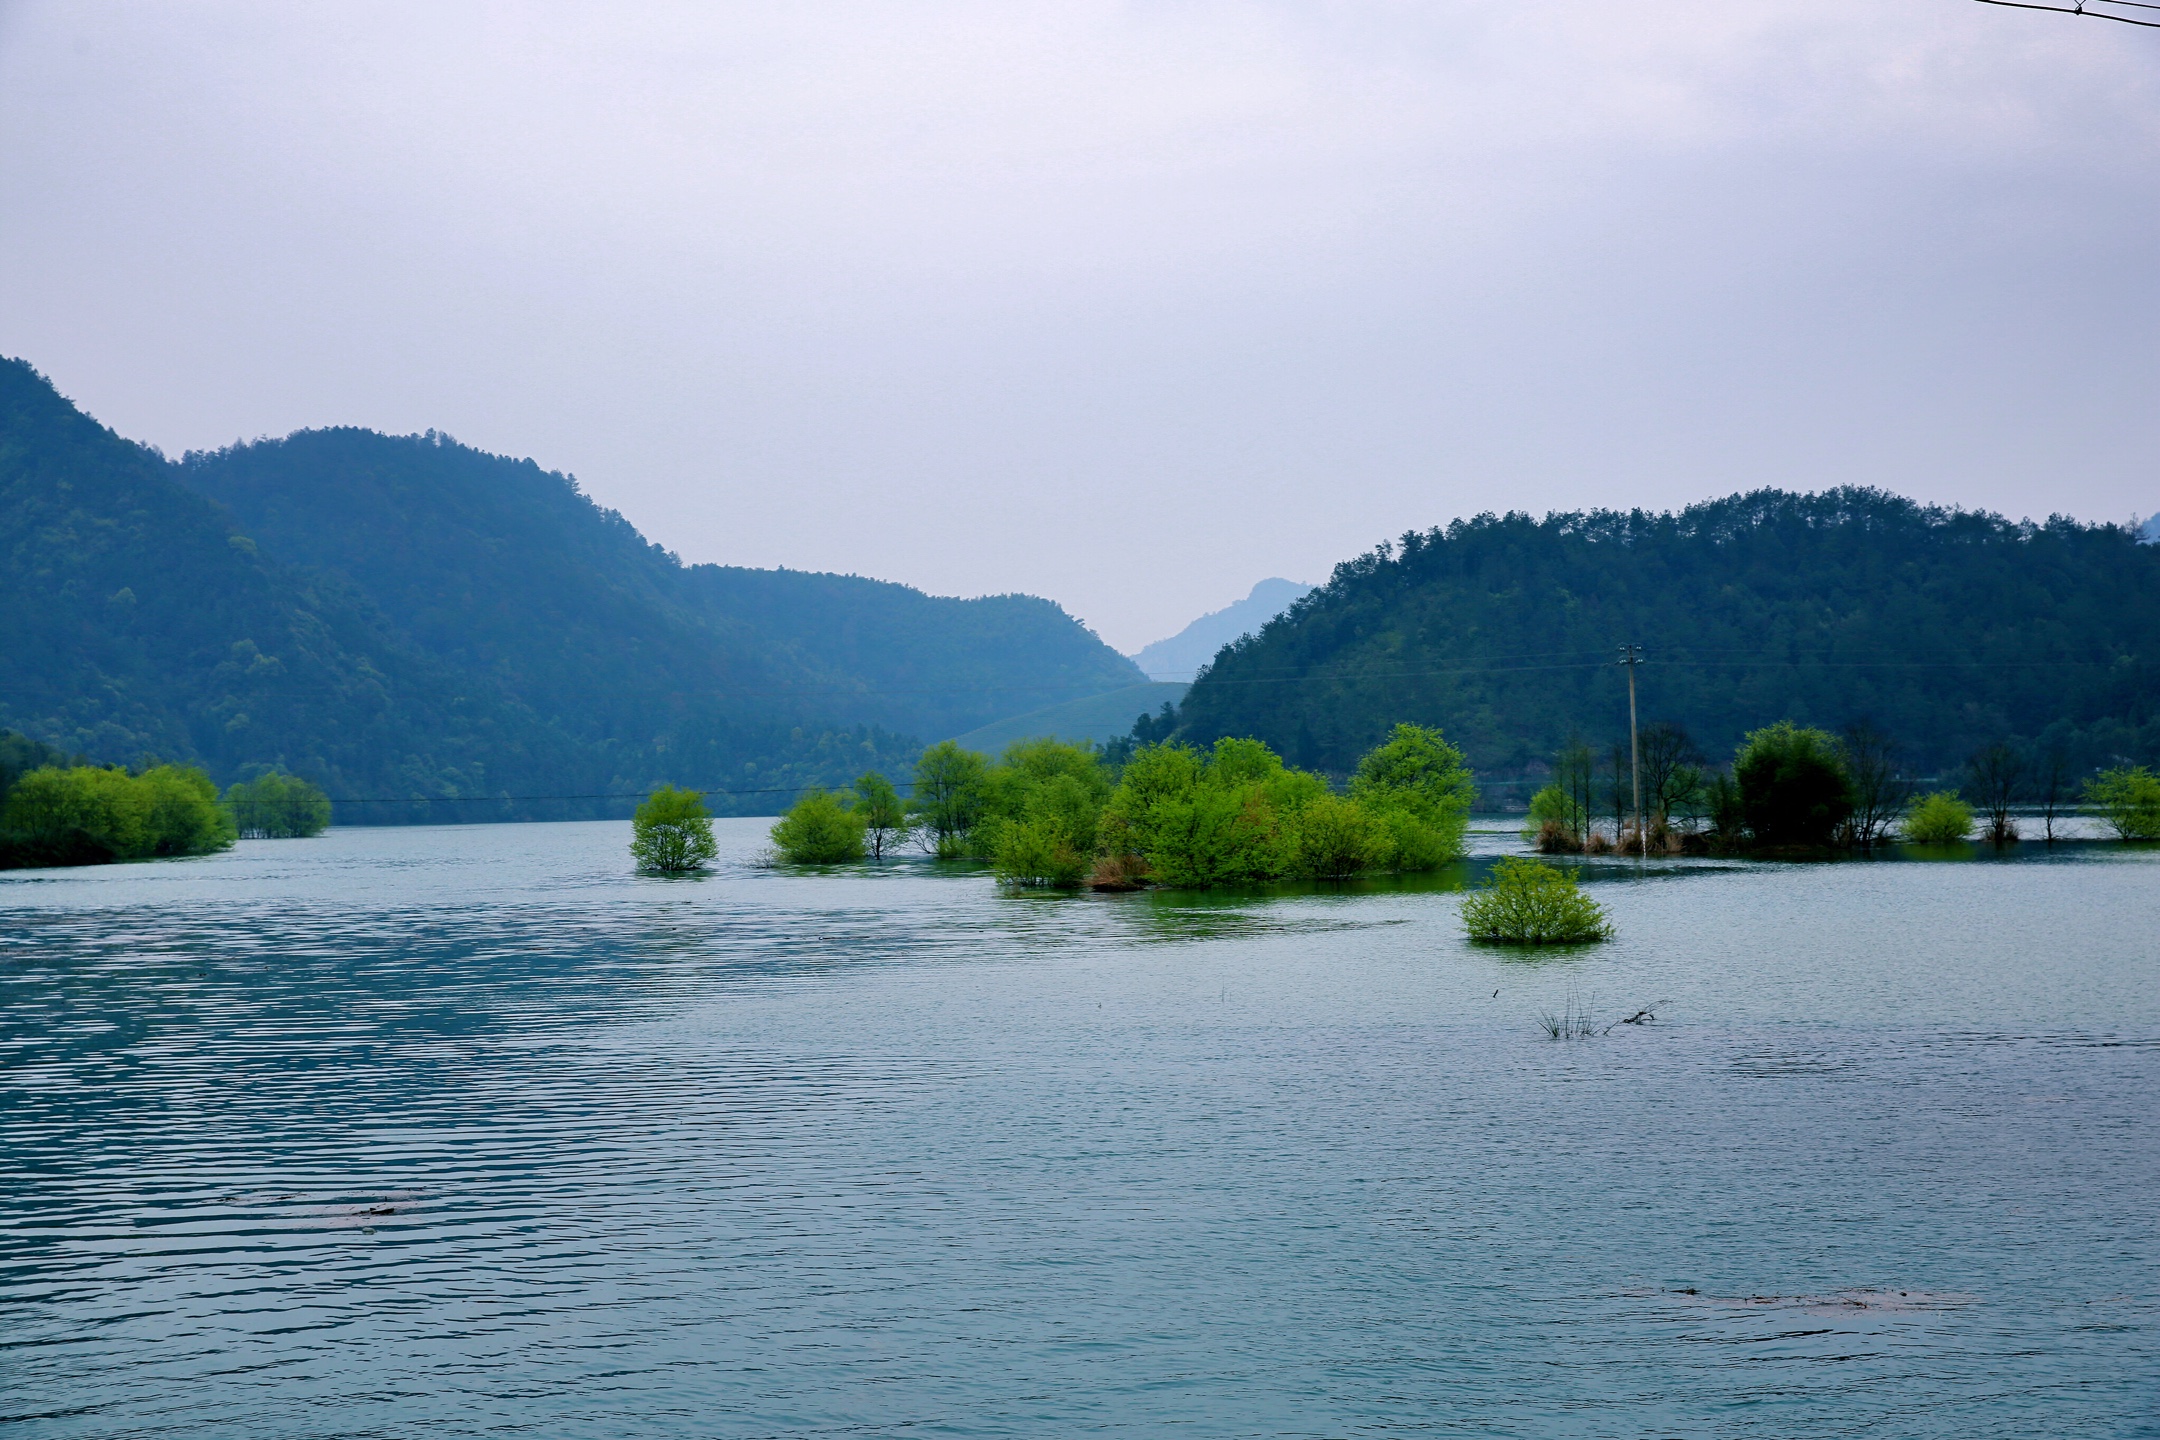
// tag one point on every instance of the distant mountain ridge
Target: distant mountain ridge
(1948, 629)
(1182, 655)
(406, 616)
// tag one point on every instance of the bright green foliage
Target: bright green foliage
(821, 829)
(886, 825)
(89, 816)
(1237, 813)
(1214, 819)
(1042, 807)
(1528, 902)
(948, 798)
(277, 807)
(1553, 806)
(671, 834)
(1793, 789)
(2127, 798)
(1938, 819)
(1418, 788)
(1338, 838)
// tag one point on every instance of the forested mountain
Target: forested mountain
(405, 616)
(1948, 630)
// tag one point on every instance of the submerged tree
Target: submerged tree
(2127, 799)
(2053, 790)
(1996, 773)
(948, 797)
(1671, 772)
(1879, 793)
(886, 824)
(277, 806)
(820, 829)
(671, 834)
(1793, 790)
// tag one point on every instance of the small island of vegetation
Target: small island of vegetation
(1053, 815)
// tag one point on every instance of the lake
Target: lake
(470, 1131)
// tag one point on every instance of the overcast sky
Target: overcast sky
(1129, 305)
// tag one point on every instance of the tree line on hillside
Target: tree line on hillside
(1792, 787)
(1056, 815)
(1951, 629)
(56, 809)
(435, 633)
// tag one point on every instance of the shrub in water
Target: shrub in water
(278, 807)
(1528, 902)
(1938, 819)
(820, 829)
(1555, 822)
(671, 833)
(2127, 799)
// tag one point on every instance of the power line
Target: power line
(2088, 11)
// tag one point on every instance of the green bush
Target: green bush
(277, 807)
(671, 834)
(84, 815)
(1793, 786)
(2127, 800)
(1938, 819)
(1236, 813)
(1338, 838)
(1528, 902)
(820, 829)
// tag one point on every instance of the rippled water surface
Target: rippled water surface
(468, 1131)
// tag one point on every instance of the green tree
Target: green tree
(1938, 819)
(277, 806)
(671, 834)
(1417, 787)
(1528, 902)
(948, 797)
(821, 828)
(886, 824)
(1793, 788)
(2127, 799)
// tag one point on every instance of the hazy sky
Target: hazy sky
(1127, 305)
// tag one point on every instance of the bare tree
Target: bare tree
(1879, 791)
(1622, 788)
(2052, 789)
(1575, 772)
(1997, 773)
(1671, 770)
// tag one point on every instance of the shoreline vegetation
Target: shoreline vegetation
(1793, 791)
(1057, 816)
(59, 810)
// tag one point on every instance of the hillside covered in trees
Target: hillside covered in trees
(1946, 630)
(408, 617)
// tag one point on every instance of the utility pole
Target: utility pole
(1631, 656)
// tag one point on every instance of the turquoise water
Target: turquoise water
(469, 1131)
